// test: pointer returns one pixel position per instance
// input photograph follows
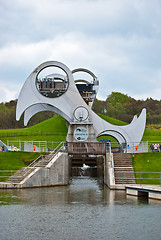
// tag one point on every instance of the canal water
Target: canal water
(86, 209)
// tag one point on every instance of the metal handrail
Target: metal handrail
(123, 177)
(86, 148)
(44, 155)
(30, 167)
(7, 171)
(34, 164)
(35, 161)
(58, 146)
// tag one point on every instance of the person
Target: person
(152, 147)
(160, 147)
(128, 148)
(66, 145)
(155, 147)
(136, 147)
(108, 144)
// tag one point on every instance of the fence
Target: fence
(36, 162)
(4, 174)
(151, 178)
(29, 133)
(32, 146)
(40, 161)
(44, 146)
(134, 147)
(140, 177)
(86, 148)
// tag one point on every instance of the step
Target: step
(123, 168)
(20, 174)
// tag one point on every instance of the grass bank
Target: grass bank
(15, 161)
(53, 129)
(146, 163)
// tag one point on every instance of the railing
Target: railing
(34, 164)
(32, 146)
(135, 147)
(152, 178)
(4, 174)
(16, 133)
(45, 146)
(86, 148)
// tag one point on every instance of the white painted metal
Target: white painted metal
(32, 101)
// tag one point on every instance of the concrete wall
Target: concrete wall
(100, 166)
(55, 173)
(143, 191)
(109, 179)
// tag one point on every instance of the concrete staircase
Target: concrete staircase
(123, 169)
(19, 176)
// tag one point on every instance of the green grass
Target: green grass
(55, 125)
(53, 129)
(112, 120)
(152, 135)
(15, 161)
(147, 163)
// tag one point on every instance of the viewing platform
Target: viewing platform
(148, 191)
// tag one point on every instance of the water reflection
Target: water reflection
(82, 190)
(86, 209)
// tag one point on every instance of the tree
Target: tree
(117, 97)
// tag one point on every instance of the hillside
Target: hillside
(55, 129)
(112, 120)
(117, 105)
(52, 129)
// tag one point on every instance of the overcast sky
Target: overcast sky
(118, 40)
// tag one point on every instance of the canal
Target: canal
(86, 209)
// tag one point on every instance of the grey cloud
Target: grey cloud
(118, 40)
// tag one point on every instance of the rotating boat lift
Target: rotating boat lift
(62, 94)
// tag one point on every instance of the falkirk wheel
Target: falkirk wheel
(73, 99)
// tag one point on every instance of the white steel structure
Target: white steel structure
(70, 105)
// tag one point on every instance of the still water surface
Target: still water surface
(83, 210)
